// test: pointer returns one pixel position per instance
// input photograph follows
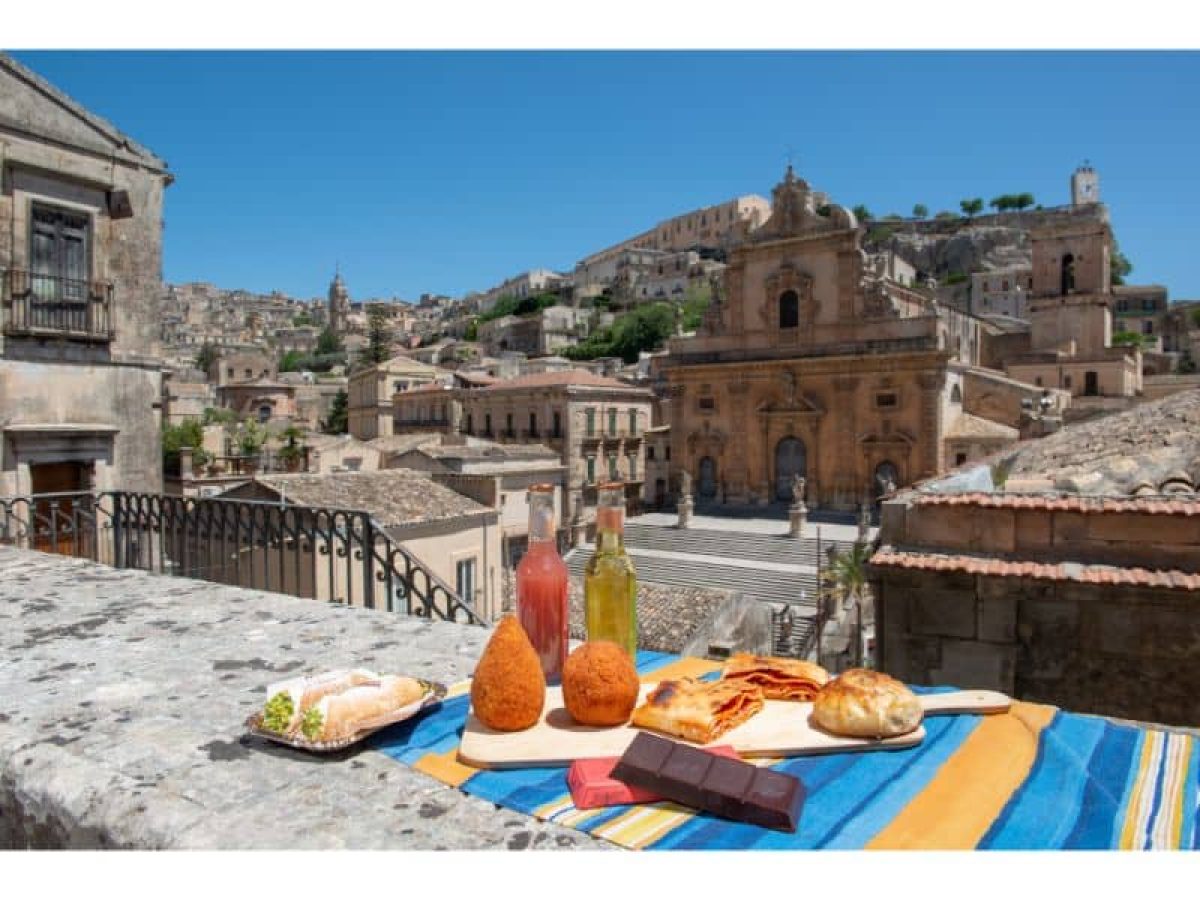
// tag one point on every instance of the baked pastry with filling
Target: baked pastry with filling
(699, 711)
(779, 678)
(868, 704)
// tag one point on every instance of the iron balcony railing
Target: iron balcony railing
(337, 555)
(36, 304)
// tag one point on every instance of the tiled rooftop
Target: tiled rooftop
(392, 496)
(887, 557)
(569, 378)
(1186, 505)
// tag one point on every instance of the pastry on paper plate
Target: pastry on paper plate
(779, 678)
(336, 704)
(699, 711)
(868, 704)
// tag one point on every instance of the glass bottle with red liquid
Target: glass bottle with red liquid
(542, 586)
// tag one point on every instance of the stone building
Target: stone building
(811, 362)
(185, 396)
(1002, 292)
(596, 425)
(1141, 309)
(1073, 580)
(241, 367)
(496, 475)
(1070, 312)
(451, 535)
(369, 393)
(81, 208)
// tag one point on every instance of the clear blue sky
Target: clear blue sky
(447, 172)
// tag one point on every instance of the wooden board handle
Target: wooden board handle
(965, 702)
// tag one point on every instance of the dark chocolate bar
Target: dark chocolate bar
(724, 787)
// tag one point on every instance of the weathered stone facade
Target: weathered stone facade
(810, 362)
(81, 258)
(1073, 579)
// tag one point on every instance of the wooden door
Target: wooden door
(55, 525)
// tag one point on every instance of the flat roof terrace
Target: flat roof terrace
(123, 697)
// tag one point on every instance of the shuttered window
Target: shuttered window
(59, 251)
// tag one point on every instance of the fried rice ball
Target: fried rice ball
(508, 689)
(599, 684)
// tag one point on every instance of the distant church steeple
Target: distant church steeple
(339, 302)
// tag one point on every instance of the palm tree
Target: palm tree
(850, 576)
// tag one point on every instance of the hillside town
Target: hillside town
(961, 446)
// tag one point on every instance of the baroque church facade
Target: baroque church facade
(812, 362)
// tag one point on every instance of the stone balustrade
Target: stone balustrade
(123, 697)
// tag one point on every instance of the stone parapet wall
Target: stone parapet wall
(122, 702)
(1113, 650)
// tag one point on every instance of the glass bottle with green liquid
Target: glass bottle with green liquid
(609, 581)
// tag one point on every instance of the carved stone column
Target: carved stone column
(932, 456)
(845, 474)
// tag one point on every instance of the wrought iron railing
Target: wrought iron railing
(337, 555)
(37, 304)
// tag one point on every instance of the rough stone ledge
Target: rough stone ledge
(122, 702)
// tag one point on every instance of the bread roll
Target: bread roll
(868, 704)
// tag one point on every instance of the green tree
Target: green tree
(972, 207)
(850, 570)
(328, 342)
(1023, 201)
(379, 337)
(206, 357)
(695, 302)
(1128, 339)
(302, 320)
(188, 433)
(292, 451)
(1119, 265)
(1196, 317)
(946, 214)
(920, 211)
(218, 416)
(645, 328)
(1002, 203)
(290, 361)
(251, 438)
(862, 213)
(339, 414)
(472, 332)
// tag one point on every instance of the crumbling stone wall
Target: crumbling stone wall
(1117, 650)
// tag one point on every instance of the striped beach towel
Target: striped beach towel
(1033, 778)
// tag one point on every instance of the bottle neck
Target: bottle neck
(610, 540)
(541, 519)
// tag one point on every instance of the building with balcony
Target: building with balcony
(81, 208)
(369, 393)
(596, 425)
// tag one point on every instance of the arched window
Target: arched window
(1068, 273)
(955, 394)
(789, 310)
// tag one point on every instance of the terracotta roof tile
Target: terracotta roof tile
(1172, 579)
(1167, 506)
(569, 378)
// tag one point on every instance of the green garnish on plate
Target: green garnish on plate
(278, 712)
(312, 723)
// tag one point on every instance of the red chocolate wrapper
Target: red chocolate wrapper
(593, 786)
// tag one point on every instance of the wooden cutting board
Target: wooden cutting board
(780, 729)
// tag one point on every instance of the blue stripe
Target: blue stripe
(1156, 800)
(1066, 748)
(1101, 813)
(1189, 834)
(896, 778)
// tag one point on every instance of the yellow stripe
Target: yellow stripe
(457, 690)
(964, 797)
(1165, 824)
(445, 767)
(642, 824)
(688, 667)
(1137, 797)
(553, 808)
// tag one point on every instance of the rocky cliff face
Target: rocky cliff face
(971, 248)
